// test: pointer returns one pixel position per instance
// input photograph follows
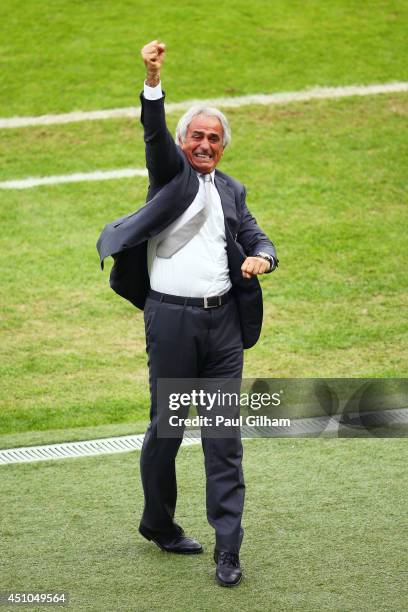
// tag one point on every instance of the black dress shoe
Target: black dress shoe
(228, 572)
(178, 543)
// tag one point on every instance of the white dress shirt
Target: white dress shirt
(200, 268)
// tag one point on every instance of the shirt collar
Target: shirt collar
(212, 174)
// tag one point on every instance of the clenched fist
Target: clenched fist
(254, 265)
(153, 56)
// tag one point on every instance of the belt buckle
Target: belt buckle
(208, 305)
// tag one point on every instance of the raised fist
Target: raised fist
(153, 56)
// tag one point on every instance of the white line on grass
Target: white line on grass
(99, 175)
(314, 93)
(104, 175)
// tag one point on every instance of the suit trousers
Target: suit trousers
(193, 342)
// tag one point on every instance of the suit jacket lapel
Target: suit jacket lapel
(164, 207)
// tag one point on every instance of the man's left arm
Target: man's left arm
(261, 252)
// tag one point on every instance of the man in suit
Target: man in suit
(190, 259)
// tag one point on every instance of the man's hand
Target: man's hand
(254, 265)
(153, 56)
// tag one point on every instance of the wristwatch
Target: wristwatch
(269, 258)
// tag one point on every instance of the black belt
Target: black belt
(207, 302)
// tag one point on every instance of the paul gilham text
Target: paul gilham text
(250, 420)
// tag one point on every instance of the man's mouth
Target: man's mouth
(202, 156)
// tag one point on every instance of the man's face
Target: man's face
(203, 144)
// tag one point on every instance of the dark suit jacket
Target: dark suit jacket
(173, 187)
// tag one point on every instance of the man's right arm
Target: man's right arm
(162, 157)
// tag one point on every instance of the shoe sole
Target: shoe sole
(175, 552)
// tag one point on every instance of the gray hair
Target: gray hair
(186, 119)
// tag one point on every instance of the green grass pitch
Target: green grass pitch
(327, 181)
